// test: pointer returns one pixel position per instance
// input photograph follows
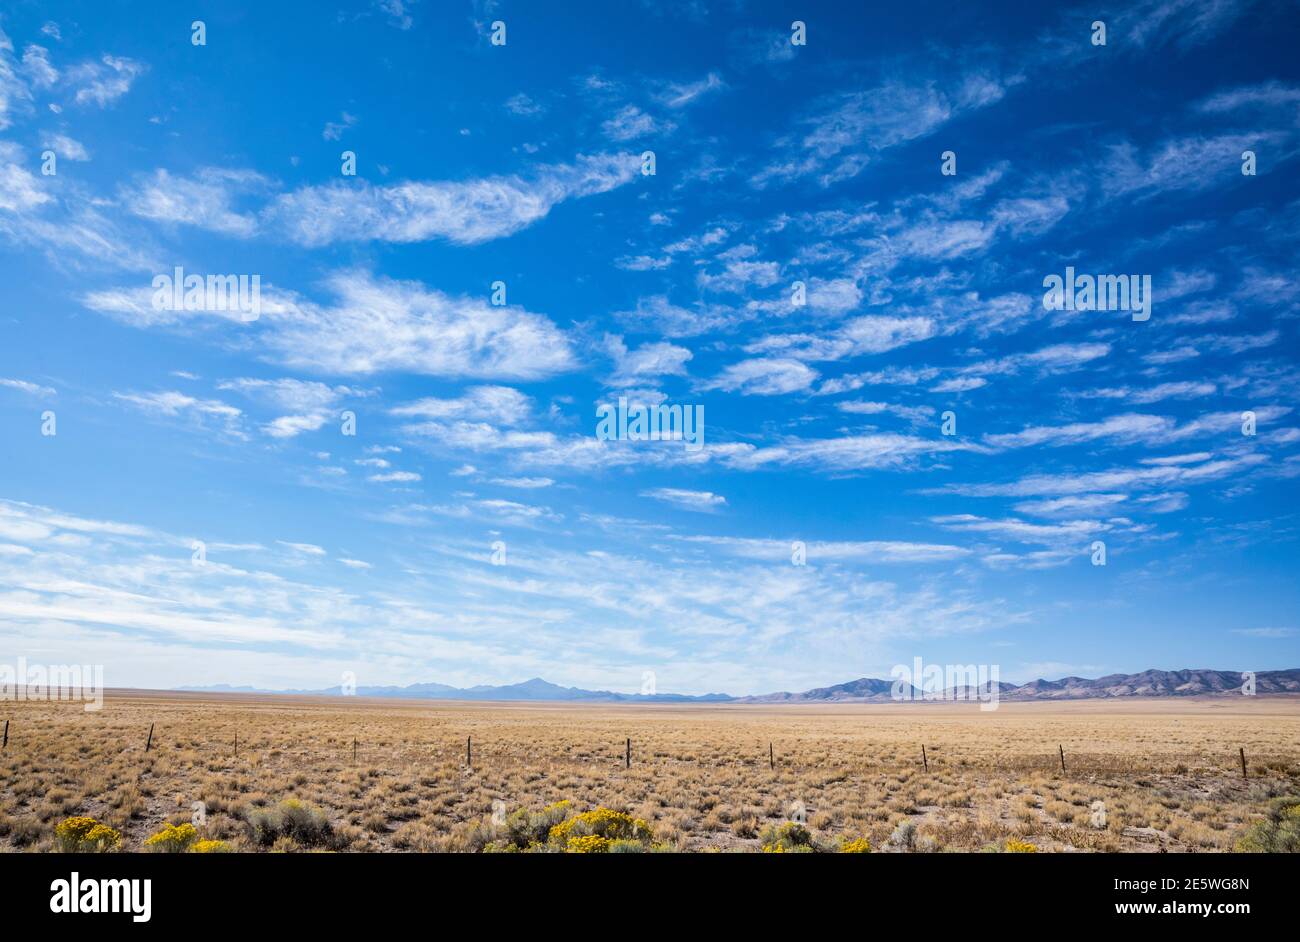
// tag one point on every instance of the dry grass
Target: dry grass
(1166, 771)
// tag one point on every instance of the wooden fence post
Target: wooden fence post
(1062, 748)
(924, 759)
(771, 757)
(149, 742)
(6, 742)
(236, 743)
(627, 756)
(469, 753)
(1243, 762)
(354, 750)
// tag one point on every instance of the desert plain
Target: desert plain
(1155, 775)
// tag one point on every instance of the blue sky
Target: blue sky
(475, 424)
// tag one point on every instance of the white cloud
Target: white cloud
(959, 384)
(67, 148)
(397, 12)
(1131, 428)
(378, 325)
(1128, 172)
(13, 90)
(203, 200)
(68, 230)
(394, 477)
(293, 394)
(677, 95)
(764, 377)
(884, 450)
(856, 337)
(499, 404)
(524, 483)
(1185, 23)
(646, 362)
(1126, 428)
(1266, 632)
(520, 104)
(820, 551)
(104, 82)
(1073, 506)
(307, 549)
(32, 389)
(702, 501)
(1115, 479)
(1071, 532)
(20, 189)
(178, 403)
(914, 414)
(1188, 389)
(631, 123)
(36, 63)
(465, 213)
(334, 129)
(845, 135)
(658, 315)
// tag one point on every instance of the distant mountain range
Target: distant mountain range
(1150, 683)
(535, 689)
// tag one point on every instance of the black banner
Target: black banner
(143, 892)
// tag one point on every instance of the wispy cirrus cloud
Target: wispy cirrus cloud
(377, 325)
(461, 212)
(700, 501)
(203, 200)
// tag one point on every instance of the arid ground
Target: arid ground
(1167, 773)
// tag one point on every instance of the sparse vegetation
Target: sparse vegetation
(1144, 775)
(84, 835)
(1279, 833)
(172, 839)
(291, 822)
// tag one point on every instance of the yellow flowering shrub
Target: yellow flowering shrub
(587, 844)
(602, 822)
(553, 830)
(1014, 846)
(172, 839)
(859, 846)
(86, 835)
(209, 847)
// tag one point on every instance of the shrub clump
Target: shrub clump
(794, 838)
(553, 830)
(527, 830)
(296, 820)
(209, 847)
(1013, 846)
(82, 835)
(172, 839)
(789, 838)
(1279, 833)
(592, 832)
